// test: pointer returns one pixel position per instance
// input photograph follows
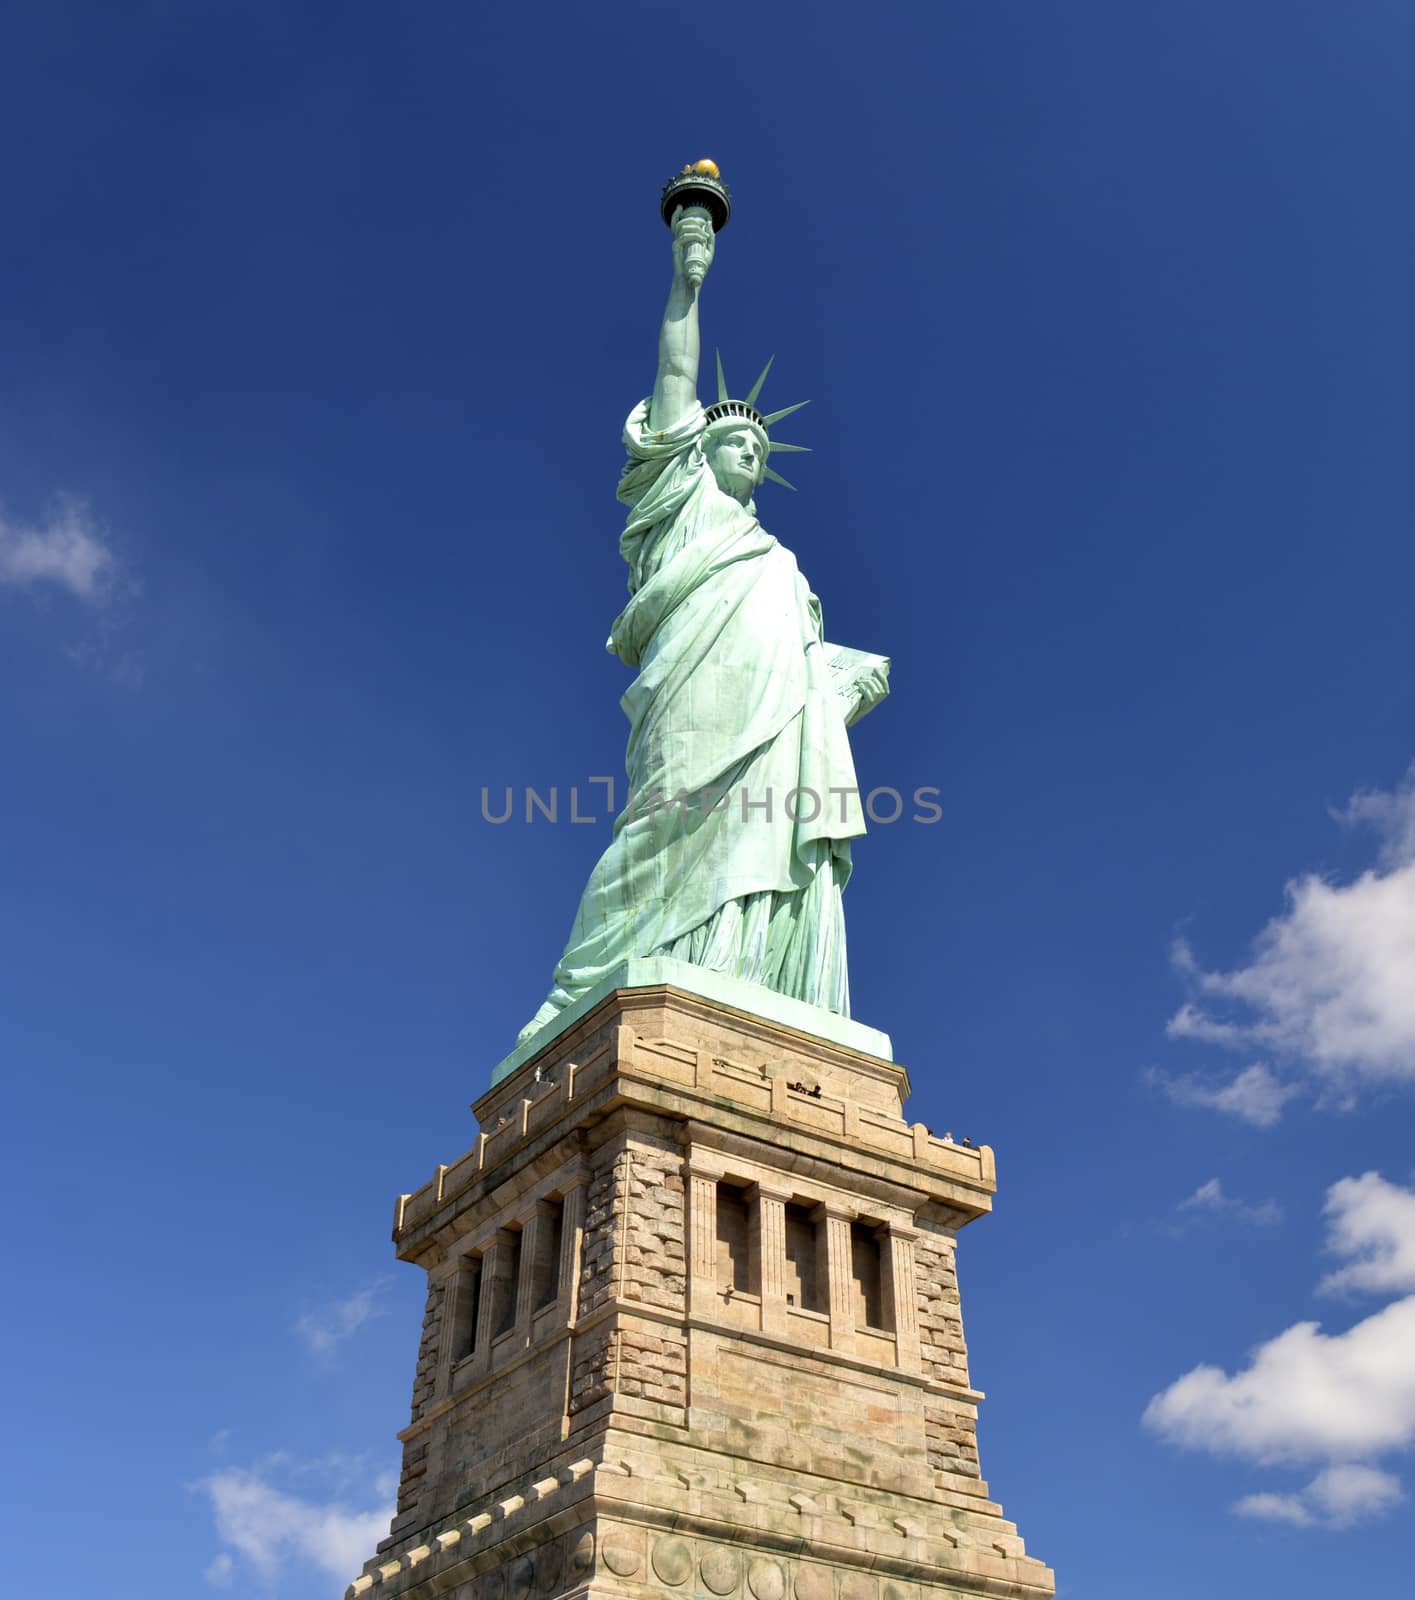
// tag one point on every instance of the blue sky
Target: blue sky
(318, 328)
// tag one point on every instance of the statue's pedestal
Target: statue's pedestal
(693, 1327)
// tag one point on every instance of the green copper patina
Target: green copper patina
(737, 716)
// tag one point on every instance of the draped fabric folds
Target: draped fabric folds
(734, 849)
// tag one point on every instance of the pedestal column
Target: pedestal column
(769, 1252)
(900, 1293)
(702, 1240)
(834, 1261)
(572, 1229)
(498, 1289)
(536, 1228)
(459, 1316)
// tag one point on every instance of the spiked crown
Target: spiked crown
(727, 410)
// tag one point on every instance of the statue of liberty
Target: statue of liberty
(735, 848)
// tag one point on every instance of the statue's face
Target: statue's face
(736, 457)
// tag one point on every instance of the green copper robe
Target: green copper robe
(732, 717)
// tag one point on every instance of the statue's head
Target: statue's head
(736, 441)
(736, 451)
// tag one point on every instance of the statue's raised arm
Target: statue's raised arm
(675, 390)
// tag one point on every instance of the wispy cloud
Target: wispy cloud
(1256, 1095)
(1391, 814)
(1189, 1022)
(1339, 1497)
(1373, 1223)
(1210, 1198)
(273, 1527)
(220, 1571)
(1341, 1399)
(1328, 989)
(325, 1327)
(69, 550)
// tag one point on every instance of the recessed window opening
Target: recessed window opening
(865, 1276)
(509, 1279)
(802, 1278)
(472, 1296)
(547, 1273)
(734, 1218)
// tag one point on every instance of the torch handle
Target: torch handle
(697, 256)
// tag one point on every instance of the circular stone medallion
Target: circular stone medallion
(520, 1576)
(582, 1551)
(550, 1559)
(672, 1561)
(721, 1570)
(813, 1583)
(857, 1586)
(766, 1580)
(621, 1557)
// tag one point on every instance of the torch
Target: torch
(698, 184)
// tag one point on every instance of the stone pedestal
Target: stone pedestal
(693, 1327)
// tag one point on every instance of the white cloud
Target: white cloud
(1207, 1197)
(1391, 814)
(1305, 1395)
(324, 1328)
(1339, 1497)
(1351, 1492)
(1210, 1197)
(1189, 1022)
(1329, 984)
(1255, 1095)
(1270, 1507)
(272, 1527)
(1373, 1222)
(69, 550)
(1310, 1396)
(220, 1570)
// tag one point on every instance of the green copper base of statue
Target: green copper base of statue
(735, 850)
(733, 994)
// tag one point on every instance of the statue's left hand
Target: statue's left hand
(869, 689)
